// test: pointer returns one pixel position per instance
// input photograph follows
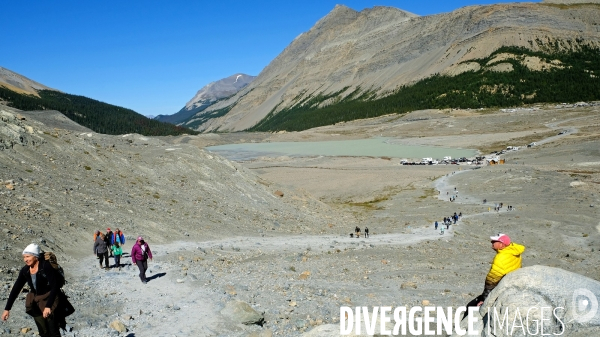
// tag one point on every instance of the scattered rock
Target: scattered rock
(229, 289)
(264, 333)
(279, 193)
(304, 275)
(407, 285)
(118, 326)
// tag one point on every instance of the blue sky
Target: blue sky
(152, 56)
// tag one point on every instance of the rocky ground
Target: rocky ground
(221, 233)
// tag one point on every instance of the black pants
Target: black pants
(143, 266)
(472, 303)
(47, 327)
(103, 256)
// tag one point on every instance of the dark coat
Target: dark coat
(46, 281)
(100, 246)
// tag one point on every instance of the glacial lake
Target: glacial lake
(373, 147)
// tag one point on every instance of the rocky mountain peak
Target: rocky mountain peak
(208, 95)
(383, 48)
(220, 89)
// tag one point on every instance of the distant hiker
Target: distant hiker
(117, 253)
(43, 297)
(117, 237)
(108, 239)
(507, 259)
(447, 225)
(460, 215)
(366, 232)
(96, 233)
(442, 230)
(140, 253)
(357, 231)
(436, 225)
(101, 250)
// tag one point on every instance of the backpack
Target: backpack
(118, 236)
(51, 258)
(65, 308)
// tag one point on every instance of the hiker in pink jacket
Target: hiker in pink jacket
(140, 253)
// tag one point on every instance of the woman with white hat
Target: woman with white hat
(42, 300)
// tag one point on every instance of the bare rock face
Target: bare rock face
(208, 95)
(14, 132)
(570, 301)
(383, 48)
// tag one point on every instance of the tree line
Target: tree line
(98, 116)
(577, 80)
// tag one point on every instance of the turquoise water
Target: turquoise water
(374, 147)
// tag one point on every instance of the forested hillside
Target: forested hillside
(507, 82)
(98, 116)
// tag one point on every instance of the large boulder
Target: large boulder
(569, 302)
(242, 312)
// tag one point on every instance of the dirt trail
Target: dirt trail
(162, 307)
(166, 304)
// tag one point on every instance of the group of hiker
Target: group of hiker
(46, 302)
(109, 245)
(111, 242)
(357, 232)
(447, 222)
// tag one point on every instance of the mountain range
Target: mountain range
(376, 52)
(208, 95)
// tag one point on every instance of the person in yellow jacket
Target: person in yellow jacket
(507, 259)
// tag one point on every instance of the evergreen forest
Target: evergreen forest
(99, 116)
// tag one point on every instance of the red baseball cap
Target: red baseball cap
(501, 238)
(108, 229)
